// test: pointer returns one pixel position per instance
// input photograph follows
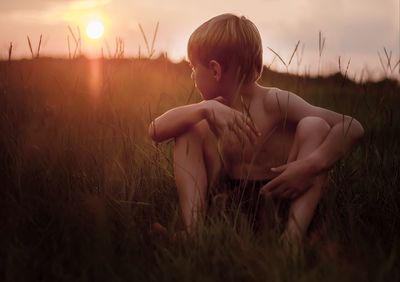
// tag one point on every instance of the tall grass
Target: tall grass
(82, 183)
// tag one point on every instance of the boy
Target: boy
(247, 131)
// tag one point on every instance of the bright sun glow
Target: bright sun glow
(94, 29)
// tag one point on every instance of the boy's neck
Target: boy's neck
(235, 97)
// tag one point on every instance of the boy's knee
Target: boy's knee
(312, 127)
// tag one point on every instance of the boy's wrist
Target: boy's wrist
(315, 164)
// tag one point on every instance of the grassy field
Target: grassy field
(81, 183)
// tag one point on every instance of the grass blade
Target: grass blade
(388, 57)
(10, 52)
(30, 46)
(273, 60)
(294, 52)
(154, 38)
(345, 74)
(79, 41)
(73, 35)
(145, 38)
(279, 57)
(382, 64)
(69, 48)
(38, 49)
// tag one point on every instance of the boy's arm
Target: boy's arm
(345, 132)
(176, 121)
(219, 117)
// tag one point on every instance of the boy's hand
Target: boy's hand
(293, 179)
(221, 118)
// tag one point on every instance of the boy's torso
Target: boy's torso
(244, 160)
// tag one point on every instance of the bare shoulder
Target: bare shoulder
(274, 99)
(287, 105)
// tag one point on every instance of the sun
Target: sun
(95, 29)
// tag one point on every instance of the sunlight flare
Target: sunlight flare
(94, 29)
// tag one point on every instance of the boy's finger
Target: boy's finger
(252, 126)
(279, 168)
(270, 186)
(235, 129)
(249, 133)
(279, 191)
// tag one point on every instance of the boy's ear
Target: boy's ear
(216, 69)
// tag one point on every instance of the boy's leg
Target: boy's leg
(196, 165)
(310, 133)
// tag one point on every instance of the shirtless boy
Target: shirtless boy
(248, 131)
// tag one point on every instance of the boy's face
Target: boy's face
(204, 79)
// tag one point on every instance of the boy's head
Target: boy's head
(234, 42)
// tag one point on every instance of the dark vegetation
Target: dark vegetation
(81, 182)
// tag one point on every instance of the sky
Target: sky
(353, 29)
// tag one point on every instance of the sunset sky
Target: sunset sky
(353, 28)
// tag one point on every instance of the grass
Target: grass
(81, 183)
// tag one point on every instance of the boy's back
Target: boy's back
(243, 159)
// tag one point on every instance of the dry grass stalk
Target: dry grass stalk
(30, 45)
(345, 73)
(77, 41)
(150, 49)
(119, 48)
(294, 52)
(69, 47)
(39, 45)
(299, 56)
(145, 38)
(387, 66)
(299, 59)
(389, 58)
(10, 52)
(321, 43)
(272, 61)
(382, 64)
(154, 38)
(108, 48)
(279, 57)
(321, 47)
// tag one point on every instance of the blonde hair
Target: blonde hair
(232, 41)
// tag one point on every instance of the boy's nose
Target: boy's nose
(192, 75)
